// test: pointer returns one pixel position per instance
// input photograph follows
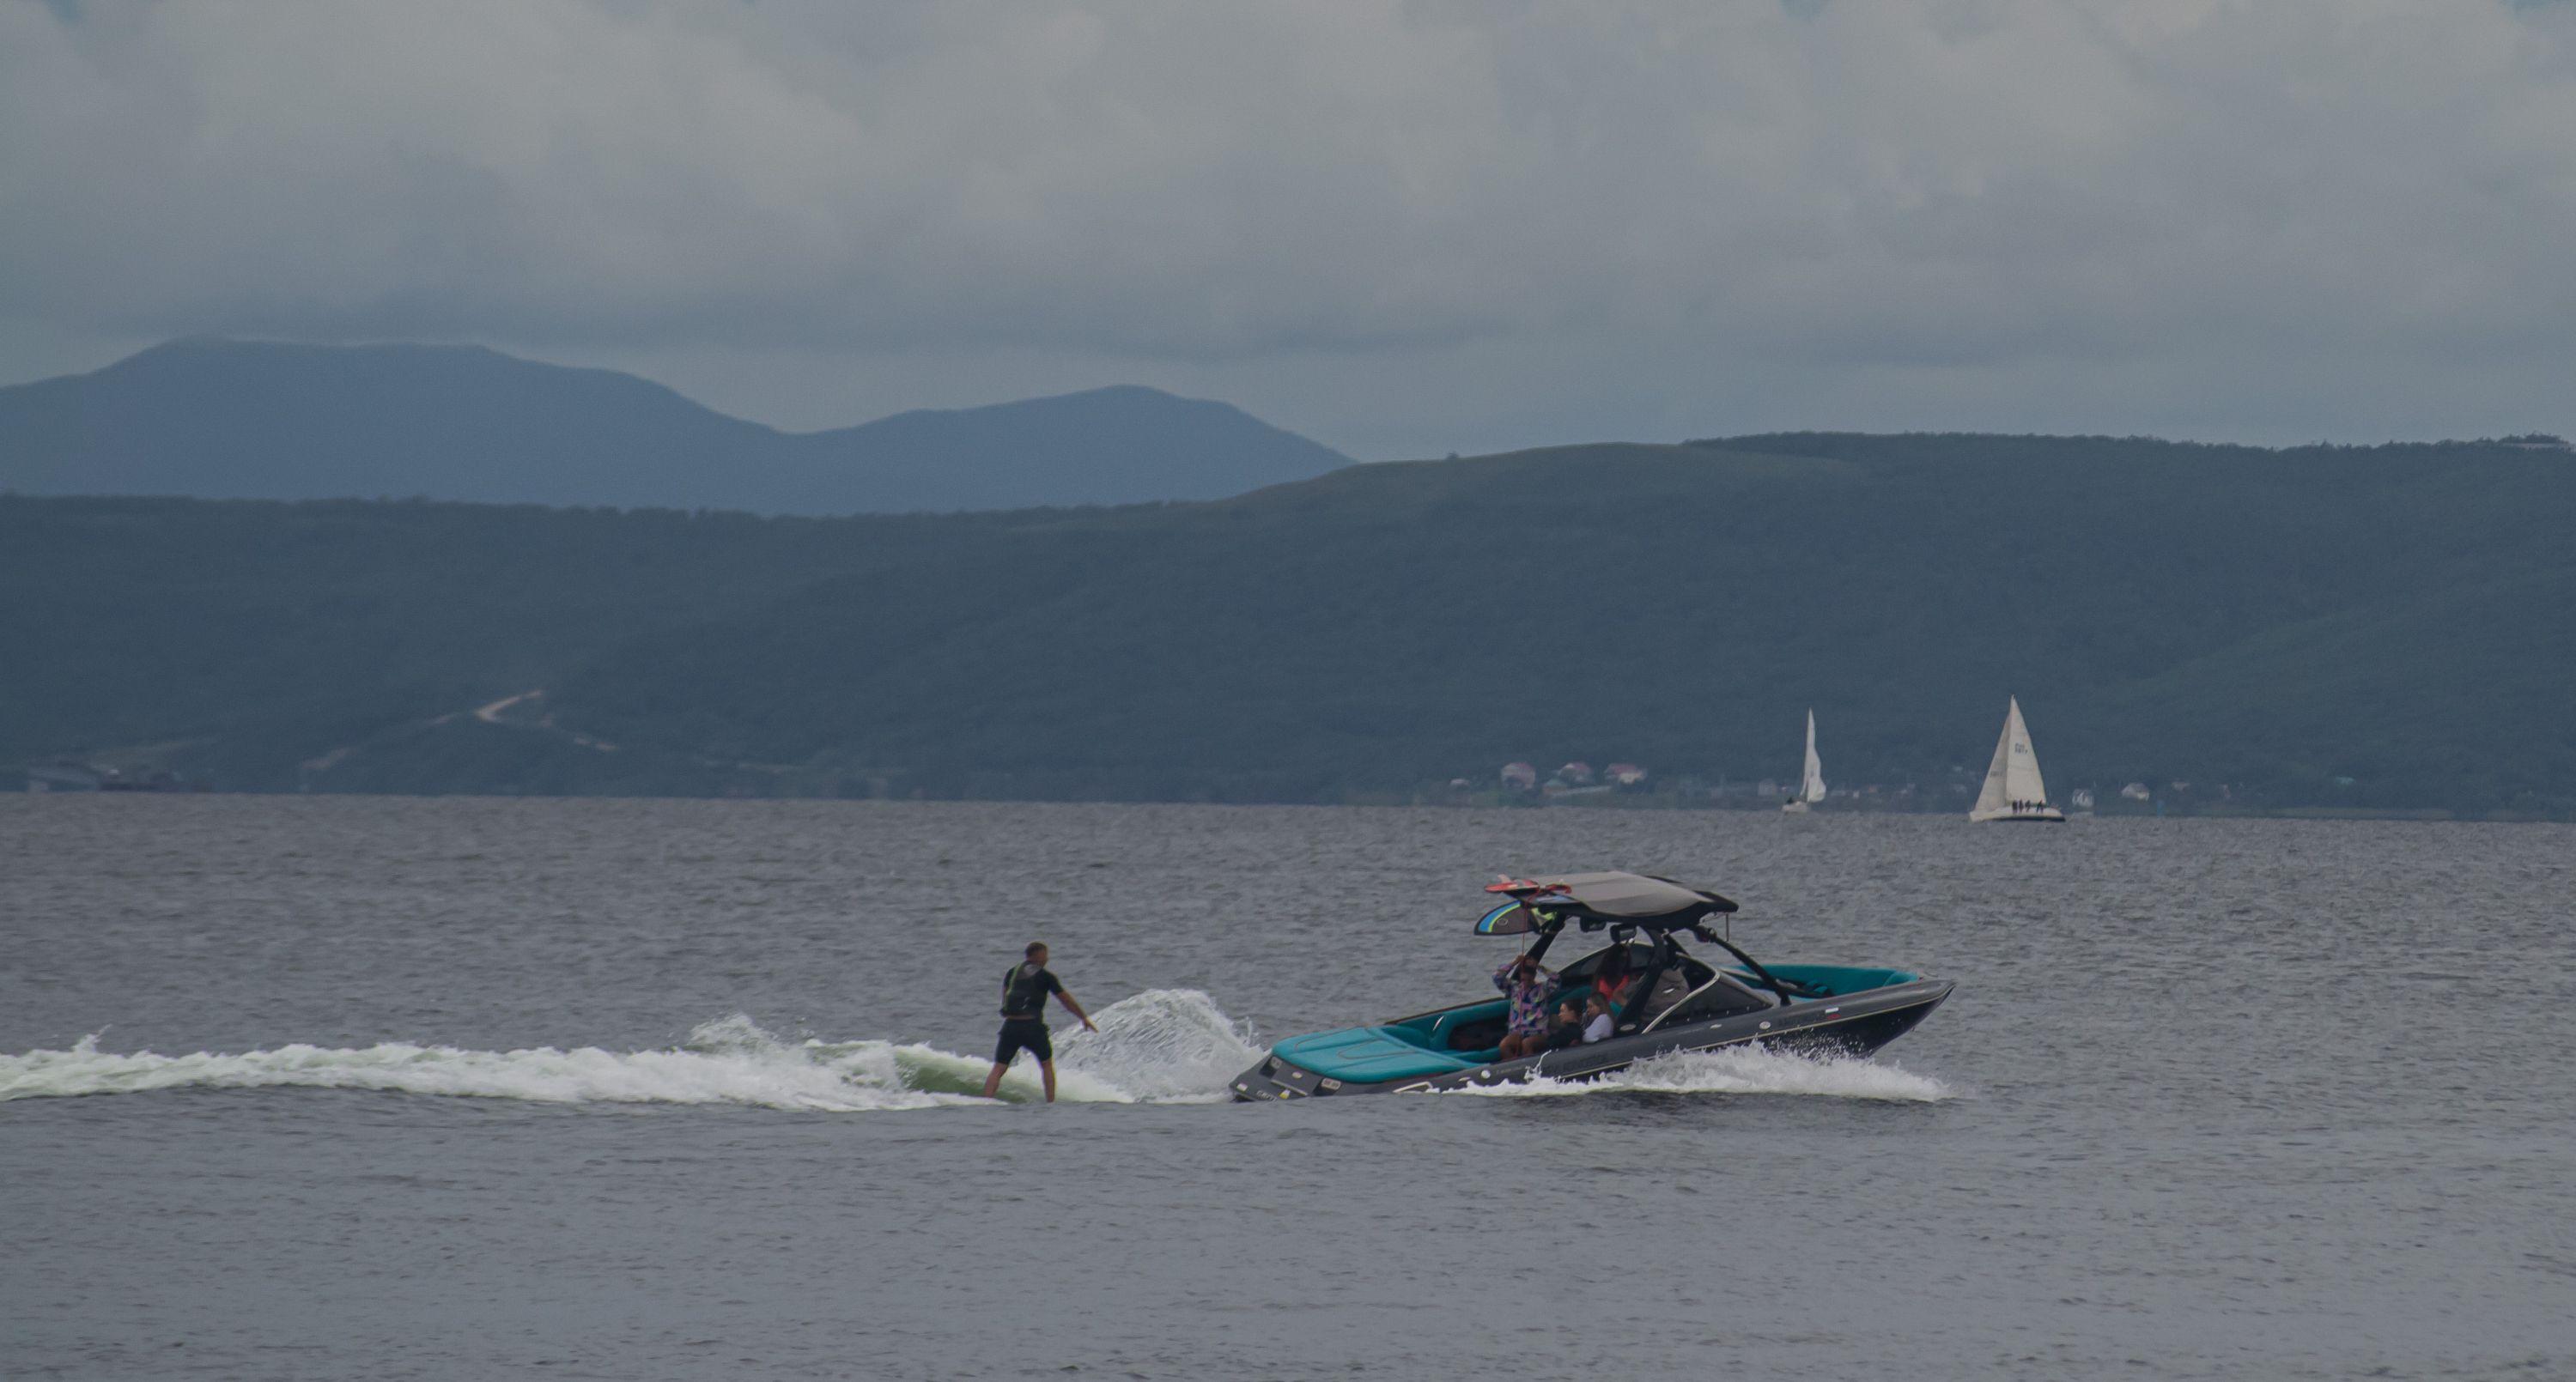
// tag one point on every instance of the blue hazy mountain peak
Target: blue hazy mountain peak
(212, 417)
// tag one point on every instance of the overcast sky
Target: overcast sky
(1404, 229)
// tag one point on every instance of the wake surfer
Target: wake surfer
(1025, 987)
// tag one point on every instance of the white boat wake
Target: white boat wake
(1742, 1070)
(1160, 1046)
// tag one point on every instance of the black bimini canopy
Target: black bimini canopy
(1596, 900)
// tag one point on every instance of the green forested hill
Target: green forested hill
(239, 639)
(2212, 614)
(2381, 628)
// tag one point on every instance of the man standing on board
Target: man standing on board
(1025, 987)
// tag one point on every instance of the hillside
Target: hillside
(2373, 629)
(1123, 445)
(2220, 615)
(238, 640)
(261, 420)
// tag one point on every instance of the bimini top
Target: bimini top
(1595, 900)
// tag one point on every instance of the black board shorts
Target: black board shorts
(1023, 1034)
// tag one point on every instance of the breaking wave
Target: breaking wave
(1160, 1046)
(1743, 1070)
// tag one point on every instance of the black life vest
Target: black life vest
(1024, 991)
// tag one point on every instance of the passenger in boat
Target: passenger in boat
(1612, 980)
(1596, 1022)
(1527, 983)
(1568, 1030)
(1671, 986)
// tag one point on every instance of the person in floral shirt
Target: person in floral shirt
(1527, 983)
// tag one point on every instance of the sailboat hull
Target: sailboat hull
(2046, 815)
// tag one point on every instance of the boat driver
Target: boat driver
(1614, 978)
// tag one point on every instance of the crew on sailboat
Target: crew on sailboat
(2014, 791)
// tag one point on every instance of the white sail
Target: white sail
(1811, 786)
(2013, 788)
(1812, 790)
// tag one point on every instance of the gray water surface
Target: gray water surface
(654, 1090)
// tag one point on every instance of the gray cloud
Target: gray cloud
(1398, 226)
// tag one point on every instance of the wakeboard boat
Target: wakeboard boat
(1672, 1001)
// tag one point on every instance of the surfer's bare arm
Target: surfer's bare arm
(1075, 1008)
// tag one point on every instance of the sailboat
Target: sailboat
(2013, 790)
(1812, 789)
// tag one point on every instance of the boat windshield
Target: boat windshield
(1663, 987)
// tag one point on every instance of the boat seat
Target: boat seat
(1370, 1054)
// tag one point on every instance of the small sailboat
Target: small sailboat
(1811, 790)
(2013, 791)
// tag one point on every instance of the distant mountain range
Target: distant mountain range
(224, 419)
(2325, 628)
